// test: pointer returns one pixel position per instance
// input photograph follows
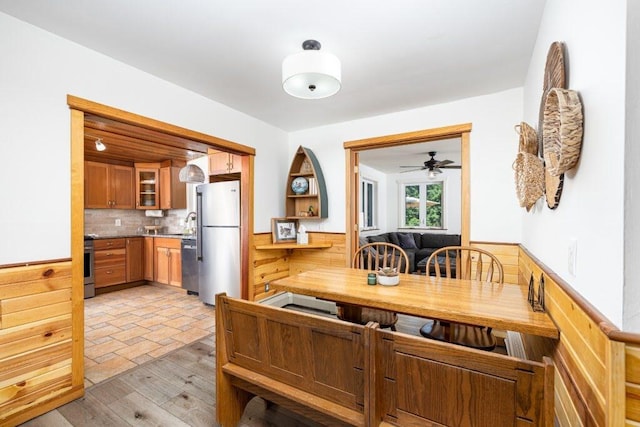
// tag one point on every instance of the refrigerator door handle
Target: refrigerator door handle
(199, 234)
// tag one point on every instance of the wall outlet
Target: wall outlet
(266, 287)
(572, 256)
(118, 222)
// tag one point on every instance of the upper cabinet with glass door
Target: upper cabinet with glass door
(147, 186)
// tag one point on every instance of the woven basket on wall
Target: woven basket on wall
(562, 130)
(529, 176)
(528, 139)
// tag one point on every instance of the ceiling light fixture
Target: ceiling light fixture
(191, 174)
(432, 173)
(100, 145)
(311, 74)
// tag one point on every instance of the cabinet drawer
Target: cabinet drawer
(110, 258)
(107, 276)
(102, 244)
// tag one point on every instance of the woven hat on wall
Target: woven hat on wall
(562, 130)
(528, 139)
(529, 176)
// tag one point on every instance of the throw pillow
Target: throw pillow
(406, 241)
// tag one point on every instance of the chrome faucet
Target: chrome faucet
(190, 215)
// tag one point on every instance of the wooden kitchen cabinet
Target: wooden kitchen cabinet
(110, 260)
(167, 261)
(223, 163)
(149, 255)
(147, 185)
(108, 186)
(135, 259)
(173, 193)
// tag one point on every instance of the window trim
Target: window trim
(374, 208)
(422, 203)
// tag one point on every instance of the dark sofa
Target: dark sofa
(418, 246)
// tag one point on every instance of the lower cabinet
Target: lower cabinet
(110, 262)
(149, 255)
(135, 259)
(167, 261)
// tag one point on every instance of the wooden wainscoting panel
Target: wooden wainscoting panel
(36, 345)
(590, 366)
(507, 254)
(271, 264)
(632, 365)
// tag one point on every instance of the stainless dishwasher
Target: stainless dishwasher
(189, 266)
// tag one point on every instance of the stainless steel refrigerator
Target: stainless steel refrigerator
(218, 239)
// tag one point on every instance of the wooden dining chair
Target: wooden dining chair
(466, 263)
(371, 257)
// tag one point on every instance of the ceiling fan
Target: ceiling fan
(433, 166)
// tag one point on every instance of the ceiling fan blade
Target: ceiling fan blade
(436, 170)
(443, 162)
(414, 166)
(451, 167)
(411, 170)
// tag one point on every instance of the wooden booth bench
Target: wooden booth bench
(339, 373)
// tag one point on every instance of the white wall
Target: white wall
(631, 309)
(495, 215)
(591, 207)
(38, 71)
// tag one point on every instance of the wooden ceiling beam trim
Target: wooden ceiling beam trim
(409, 137)
(95, 125)
(104, 111)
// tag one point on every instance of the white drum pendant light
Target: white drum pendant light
(311, 74)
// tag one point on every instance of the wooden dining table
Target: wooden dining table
(501, 306)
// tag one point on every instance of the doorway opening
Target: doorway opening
(353, 149)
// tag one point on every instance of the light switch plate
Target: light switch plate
(572, 256)
(118, 222)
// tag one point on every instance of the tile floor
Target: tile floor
(126, 328)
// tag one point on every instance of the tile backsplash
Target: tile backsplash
(132, 221)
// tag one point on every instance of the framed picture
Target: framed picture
(283, 230)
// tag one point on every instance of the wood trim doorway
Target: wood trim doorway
(352, 149)
(79, 109)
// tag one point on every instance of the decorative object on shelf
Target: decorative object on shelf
(311, 74)
(310, 211)
(562, 130)
(300, 185)
(388, 276)
(306, 167)
(191, 174)
(283, 230)
(302, 237)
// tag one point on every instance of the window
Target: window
(422, 205)
(368, 204)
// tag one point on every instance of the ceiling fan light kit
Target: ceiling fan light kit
(100, 145)
(311, 74)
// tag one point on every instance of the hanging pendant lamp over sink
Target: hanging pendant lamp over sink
(191, 174)
(311, 74)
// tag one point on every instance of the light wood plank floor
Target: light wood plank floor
(175, 389)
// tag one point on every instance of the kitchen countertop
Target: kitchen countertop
(164, 235)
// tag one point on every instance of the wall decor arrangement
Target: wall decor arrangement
(528, 167)
(559, 137)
